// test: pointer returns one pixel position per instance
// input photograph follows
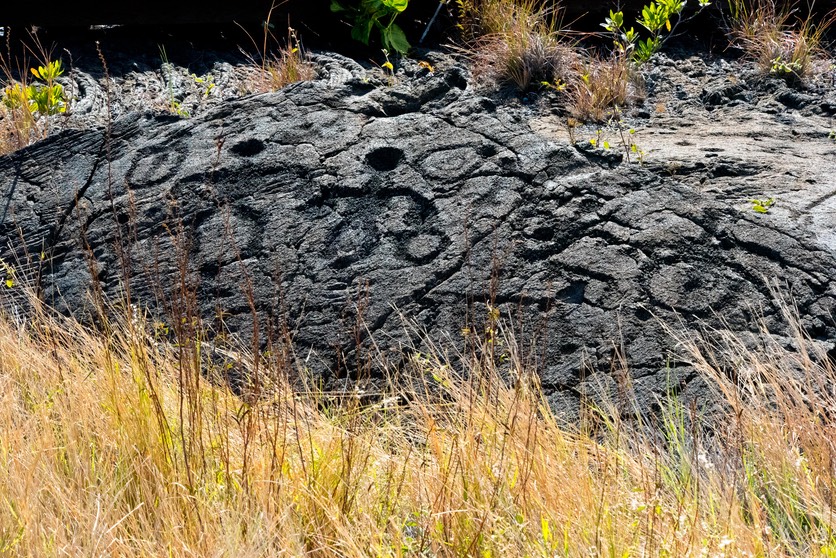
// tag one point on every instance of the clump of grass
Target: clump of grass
(604, 86)
(779, 40)
(119, 444)
(276, 70)
(516, 42)
(289, 65)
(478, 18)
(778, 448)
(18, 127)
(15, 129)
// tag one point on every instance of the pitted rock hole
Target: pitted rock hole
(487, 150)
(248, 148)
(384, 158)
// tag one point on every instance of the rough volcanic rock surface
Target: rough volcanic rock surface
(336, 208)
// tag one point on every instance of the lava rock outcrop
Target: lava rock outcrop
(334, 208)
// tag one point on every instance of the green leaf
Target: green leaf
(395, 39)
(362, 31)
(337, 7)
(397, 5)
(762, 206)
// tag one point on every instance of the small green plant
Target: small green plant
(174, 106)
(15, 97)
(660, 19)
(631, 148)
(377, 14)
(558, 85)
(626, 137)
(762, 206)
(598, 141)
(207, 83)
(785, 67)
(9, 272)
(43, 99)
(48, 97)
(177, 108)
(388, 68)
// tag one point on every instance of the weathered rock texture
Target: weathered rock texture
(335, 203)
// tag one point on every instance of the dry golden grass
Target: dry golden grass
(779, 40)
(520, 43)
(117, 445)
(18, 127)
(289, 65)
(604, 86)
(516, 42)
(478, 18)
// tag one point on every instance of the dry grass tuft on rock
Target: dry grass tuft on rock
(516, 43)
(779, 40)
(290, 65)
(123, 445)
(13, 132)
(604, 85)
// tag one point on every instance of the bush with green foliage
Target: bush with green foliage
(377, 14)
(658, 18)
(44, 99)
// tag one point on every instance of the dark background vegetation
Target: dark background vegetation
(311, 16)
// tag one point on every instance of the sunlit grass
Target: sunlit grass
(118, 445)
(777, 38)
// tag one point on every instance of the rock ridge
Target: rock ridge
(335, 207)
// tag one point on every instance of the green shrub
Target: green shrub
(44, 99)
(377, 14)
(659, 18)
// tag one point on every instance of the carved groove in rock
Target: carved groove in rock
(433, 213)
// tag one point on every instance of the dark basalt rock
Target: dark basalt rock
(334, 204)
